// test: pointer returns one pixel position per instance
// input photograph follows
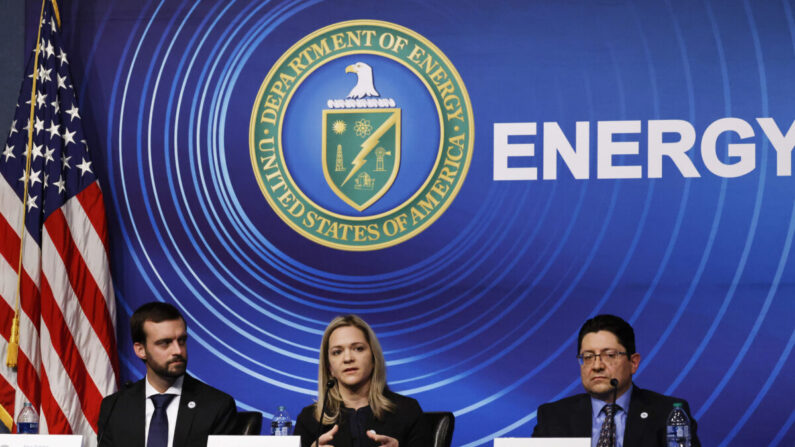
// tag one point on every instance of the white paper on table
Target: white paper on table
(252, 441)
(41, 440)
(542, 442)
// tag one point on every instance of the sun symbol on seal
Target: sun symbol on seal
(339, 127)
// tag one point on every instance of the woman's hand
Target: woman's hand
(383, 440)
(326, 438)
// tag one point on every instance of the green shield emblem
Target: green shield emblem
(361, 153)
(361, 137)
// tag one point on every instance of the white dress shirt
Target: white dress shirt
(171, 410)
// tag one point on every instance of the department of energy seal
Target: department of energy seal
(361, 135)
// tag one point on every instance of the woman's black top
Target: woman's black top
(405, 424)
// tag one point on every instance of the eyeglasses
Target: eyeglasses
(610, 356)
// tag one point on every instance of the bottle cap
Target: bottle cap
(281, 408)
(678, 405)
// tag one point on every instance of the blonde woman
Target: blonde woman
(360, 411)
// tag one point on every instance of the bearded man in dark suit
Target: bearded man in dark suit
(606, 351)
(167, 408)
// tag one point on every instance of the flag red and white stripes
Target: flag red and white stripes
(67, 350)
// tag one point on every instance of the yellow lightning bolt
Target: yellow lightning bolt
(369, 144)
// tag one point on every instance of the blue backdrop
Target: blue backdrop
(478, 313)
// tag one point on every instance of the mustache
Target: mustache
(178, 358)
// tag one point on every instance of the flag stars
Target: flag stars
(65, 163)
(47, 48)
(9, 152)
(52, 25)
(13, 128)
(53, 130)
(61, 80)
(34, 178)
(68, 137)
(32, 202)
(61, 184)
(41, 99)
(39, 125)
(48, 155)
(74, 112)
(84, 167)
(56, 105)
(44, 75)
(37, 151)
(62, 58)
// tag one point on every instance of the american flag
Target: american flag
(67, 345)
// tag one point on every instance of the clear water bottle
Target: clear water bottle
(281, 425)
(678, 427)
(28, 420)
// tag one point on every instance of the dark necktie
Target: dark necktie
(158, 426)
(608, 433)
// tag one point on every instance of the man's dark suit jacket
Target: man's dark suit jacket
(572, 418)
(404, 424)
(122, 416)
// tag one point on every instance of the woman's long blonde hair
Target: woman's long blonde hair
(379, 404)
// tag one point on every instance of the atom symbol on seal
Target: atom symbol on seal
(362, 128)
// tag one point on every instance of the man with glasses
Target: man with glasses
(637, 417)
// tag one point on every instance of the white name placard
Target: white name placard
(41, 441)
(542, 442)
(252, 441)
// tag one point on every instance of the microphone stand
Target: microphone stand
(329, 385)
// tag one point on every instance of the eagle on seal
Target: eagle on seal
(364, 86)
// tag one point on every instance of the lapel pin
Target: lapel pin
(192, 405)
(643, 415)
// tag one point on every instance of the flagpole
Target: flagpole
(13, 342)
(55, 10)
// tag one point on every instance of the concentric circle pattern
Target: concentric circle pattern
(478, 314)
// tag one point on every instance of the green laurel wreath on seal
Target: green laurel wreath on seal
(428, 203)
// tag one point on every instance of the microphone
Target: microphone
(614, 384)
(329, 385)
